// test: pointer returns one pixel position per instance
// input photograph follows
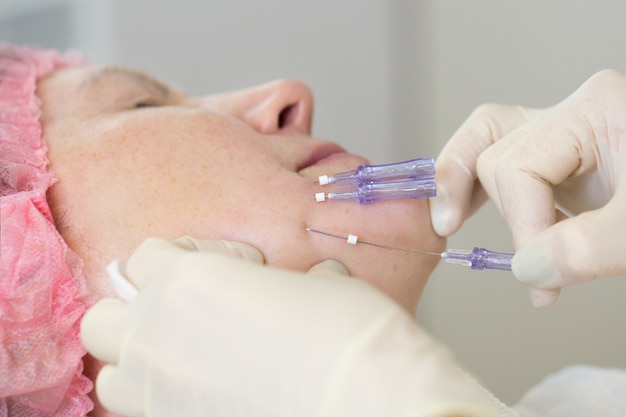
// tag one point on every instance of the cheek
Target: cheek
(125, 182)
(272, 221)
(404, 224)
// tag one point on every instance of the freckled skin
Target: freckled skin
(219, 167)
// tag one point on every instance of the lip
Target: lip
(343, 161)
(321, 153)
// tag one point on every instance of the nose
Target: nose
(275, 107)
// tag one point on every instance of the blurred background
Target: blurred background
(392, 81)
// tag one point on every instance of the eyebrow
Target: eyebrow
(135, 76)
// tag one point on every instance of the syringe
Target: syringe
(401, 171)
(371, 183)
(371, 192)
(476, 258)
(479, 258)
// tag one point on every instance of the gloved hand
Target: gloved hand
(577, 391)
(530, 161)
(213, 335)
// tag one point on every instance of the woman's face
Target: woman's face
(136, 158)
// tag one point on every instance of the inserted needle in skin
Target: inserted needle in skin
(475, 258)
(352, 239)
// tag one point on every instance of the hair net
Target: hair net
(42, 289)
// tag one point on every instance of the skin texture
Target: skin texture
(135, 158)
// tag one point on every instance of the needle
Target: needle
(354, 240)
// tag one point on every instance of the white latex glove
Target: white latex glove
(577, 391)
(213, 335)
(529, 161)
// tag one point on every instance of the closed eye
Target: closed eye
(143, 104)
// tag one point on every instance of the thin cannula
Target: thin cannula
(400, 171)
(352, 239)
(372, 192)
(476, 258)
(370, 183)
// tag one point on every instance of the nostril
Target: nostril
(287, 116)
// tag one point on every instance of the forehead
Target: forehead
(68, 77)
(57, 91)
(83, 77)
(124, 74)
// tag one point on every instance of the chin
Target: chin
(404, 224)
(400, 275)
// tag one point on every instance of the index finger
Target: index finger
(228, 247)
(458, 192)
(526, 173)
(155, 256)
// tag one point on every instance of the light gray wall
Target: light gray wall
(393, 79)
(340, 48)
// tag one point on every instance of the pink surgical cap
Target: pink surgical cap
(42, 289)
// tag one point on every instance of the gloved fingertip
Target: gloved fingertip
(330, 265)
(187, 242)
(238, 249)
(533, 266)
(442, 218)
(117, 394)
(100, 329)
(244, 251)
(540, 298)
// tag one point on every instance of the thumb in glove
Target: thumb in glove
(573, 251)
